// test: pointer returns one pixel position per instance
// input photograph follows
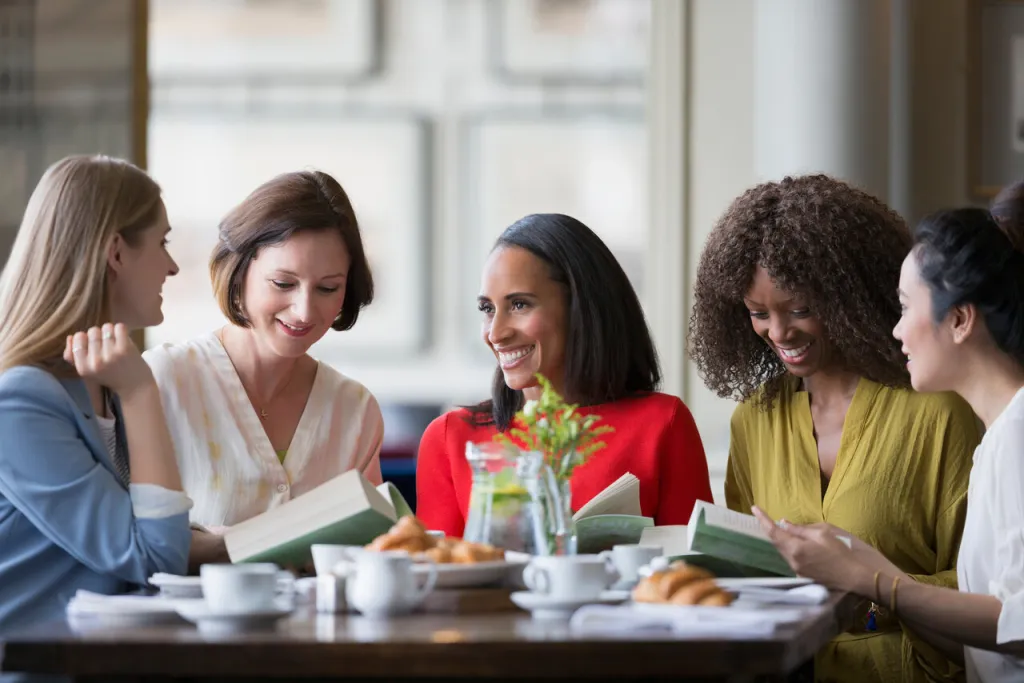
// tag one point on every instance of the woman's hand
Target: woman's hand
(816, 552)
(207, 548)
(108, 355)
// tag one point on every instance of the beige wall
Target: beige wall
(720, 165)
(720, 143)
(938, 113)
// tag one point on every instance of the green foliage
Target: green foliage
(555, 429)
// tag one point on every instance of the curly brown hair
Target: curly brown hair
(836, 245)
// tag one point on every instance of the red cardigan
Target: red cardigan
(655, 438)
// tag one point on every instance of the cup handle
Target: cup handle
(609, 564)
(423, 592)
(536, 579)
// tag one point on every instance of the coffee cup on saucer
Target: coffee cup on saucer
(627, 560)
(239, 588)
(568, 577)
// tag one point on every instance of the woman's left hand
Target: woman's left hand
(816, 552)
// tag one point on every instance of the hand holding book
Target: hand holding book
(827, 554)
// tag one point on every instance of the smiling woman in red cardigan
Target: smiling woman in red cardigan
(555, 301)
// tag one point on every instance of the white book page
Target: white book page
(671, 538)
(385, 490)
(724, 518)
(621, 497)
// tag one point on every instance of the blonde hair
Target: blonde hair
(55, 282)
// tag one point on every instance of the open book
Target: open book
(733, 542)
(674, 541)
(346, 510)
(611, 517)
(621, 497)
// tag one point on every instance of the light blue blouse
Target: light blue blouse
(66, 520)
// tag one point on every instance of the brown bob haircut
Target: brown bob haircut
(276, 210)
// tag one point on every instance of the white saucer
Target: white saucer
(624, 585)
(199, 614)
(546, 607)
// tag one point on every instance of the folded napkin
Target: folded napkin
(86, 603)
(811, 594)
(686, 621)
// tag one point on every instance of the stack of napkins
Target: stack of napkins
(120, 608)
(694, 621)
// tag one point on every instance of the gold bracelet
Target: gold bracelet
(892, 595)
(878, 598)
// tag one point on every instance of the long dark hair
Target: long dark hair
(609, 353)
(966, 256)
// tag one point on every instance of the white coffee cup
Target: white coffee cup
(568, 577)
(628, 559)
(327, 556)
(239, 588)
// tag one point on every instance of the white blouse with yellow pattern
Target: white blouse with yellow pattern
(228, 465)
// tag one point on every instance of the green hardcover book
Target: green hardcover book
(612, 517)
(346, 510)
(398, 501)
(735, 538)
(674, 541)
(602, 532)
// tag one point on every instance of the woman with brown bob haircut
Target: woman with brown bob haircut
(255, 419)
(795, 303)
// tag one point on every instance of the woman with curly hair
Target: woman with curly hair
(795, 305)
(962, 291)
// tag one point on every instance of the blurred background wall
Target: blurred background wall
(446, 120)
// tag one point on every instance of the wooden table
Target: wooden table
(511, 645)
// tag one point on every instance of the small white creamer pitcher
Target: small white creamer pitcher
(383, 583)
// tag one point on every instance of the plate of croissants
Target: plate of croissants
(682, 584)
(460, 563)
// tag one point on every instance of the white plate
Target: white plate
(177, 587)
(208, 621)
(763, 582)
(739, 610)
(469, 575)
(546, 607)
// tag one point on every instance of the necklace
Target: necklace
(263, 411)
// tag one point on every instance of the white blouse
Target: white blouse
(228, 465)
(991, 556)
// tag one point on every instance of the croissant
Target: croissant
(407, 534)
(469, 553)
(410, 535)
(682, 584)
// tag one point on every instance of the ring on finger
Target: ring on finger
(108, 334)
(77, 349)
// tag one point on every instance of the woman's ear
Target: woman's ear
(115, 254)
(962, 318)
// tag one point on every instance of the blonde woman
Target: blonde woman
(90, 496)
